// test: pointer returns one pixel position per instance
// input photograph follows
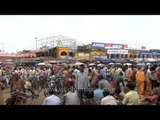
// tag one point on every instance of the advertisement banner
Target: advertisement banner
(98, 45)
(117, 46)
(98, 53)
(144, 53)
(100, 58)
(82, 56)
(117, 51)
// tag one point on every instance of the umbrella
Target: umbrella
(92, 64)
(140, 64)
(118, 64)
(41, 64)
(100, 65)
(111, 63)
(128, 64)
(49, 65)
(78, 63)
(148, 63)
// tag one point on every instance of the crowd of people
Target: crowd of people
(97, 84)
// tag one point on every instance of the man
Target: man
(108, 99)
(104, 84)
(17, 83)
(52, 99)
(132, 97)
(90, 99)
(148, 80)
(71, 98)
(81, 83)
(120, 79)
(98, 93)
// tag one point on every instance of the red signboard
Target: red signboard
(118, 46)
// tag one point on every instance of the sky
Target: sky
(18, 32)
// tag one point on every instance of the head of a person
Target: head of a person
(101, 77)
(139, 68)
(106, 92)
(82, 66)
(96, 86)
(89, 70)
(132, 66)
(157, 84)
(121, 73)
(89, 94)
(131, 85)
(118, 91)
(16, 76)
(51, 91)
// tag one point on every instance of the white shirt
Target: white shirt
(109, 100)
(52, 100)
(72, 99)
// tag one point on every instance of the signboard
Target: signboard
(117, 46)
(98, 45)
(147, 53)
(155, 50)
(98, 53)
(82, 56)
(117, 51)
(101, 58)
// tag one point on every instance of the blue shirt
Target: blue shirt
(98, 93)
(52, 100)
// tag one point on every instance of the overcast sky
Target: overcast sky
(17, 32)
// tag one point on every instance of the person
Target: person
(153, 76)
(108, 98)
(81, 83)
(52, 99)
(65, 71)
(17, 83)
(71, 98)
(132, 75)
(120, 79)
(119, 95)
(1, 94)
(103, 83)
(140, 79)
(98, 93)
(132, 97)
(148, 80)
(1, 72)
(153, 97)
(90, 99)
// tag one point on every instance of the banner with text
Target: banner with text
(98, 45)
(117, 51)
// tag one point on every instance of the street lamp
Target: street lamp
(36, 42)
(2, 46)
